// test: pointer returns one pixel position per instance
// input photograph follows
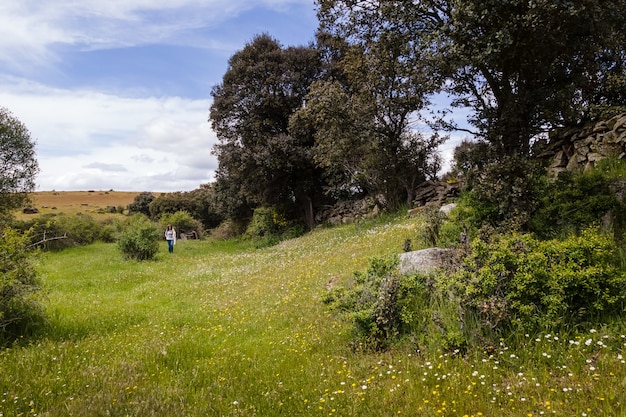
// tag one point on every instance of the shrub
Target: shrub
(227, 230)
(263, 223)
(372, 303)
(386, 307)
(268, 227)
(432, 219)
(182, 221)
(505, 194)
(574, 201)
(21, 310)
(518, 281)
(63, 231)
(139, 240)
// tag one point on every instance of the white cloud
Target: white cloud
(30, 30)
(84, 137)
(97, 137)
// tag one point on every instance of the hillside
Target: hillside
(224, 329)
(72, 202)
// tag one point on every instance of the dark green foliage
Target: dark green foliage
(260, 162)
(518, 282)
(201, 204)
(574, 202)
(141, 203)
(518, 67)
(139, 239)
(168, 203)
(21, 309)
(18, 162)
(268, 227)
(505, 194)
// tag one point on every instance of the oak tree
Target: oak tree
(260, 163)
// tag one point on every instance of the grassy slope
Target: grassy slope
(221, 329)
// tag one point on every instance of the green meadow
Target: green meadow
(221, 328)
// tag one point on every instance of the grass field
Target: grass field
(223, 329)
(72, 202)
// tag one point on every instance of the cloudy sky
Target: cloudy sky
(116, 93)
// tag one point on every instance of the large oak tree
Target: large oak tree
(260, 163)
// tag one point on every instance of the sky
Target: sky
(116, 93)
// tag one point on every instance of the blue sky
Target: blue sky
(116, 93)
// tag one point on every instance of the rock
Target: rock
(584, 146)
(447, 208)
(424, 261)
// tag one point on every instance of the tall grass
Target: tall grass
(224, 329)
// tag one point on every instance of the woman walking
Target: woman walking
(170, 236)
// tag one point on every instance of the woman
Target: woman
(170, 236)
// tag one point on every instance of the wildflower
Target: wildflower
(588, 342)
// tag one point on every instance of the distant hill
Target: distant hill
(72, 202)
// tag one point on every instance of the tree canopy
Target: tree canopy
(19, 165)
(357, 114)
(260, 163)
(521, 67)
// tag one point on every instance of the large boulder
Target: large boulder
(424, 261)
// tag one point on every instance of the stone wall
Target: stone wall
(435, 193)
(583, 147)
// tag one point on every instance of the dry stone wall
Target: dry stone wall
(583, 147)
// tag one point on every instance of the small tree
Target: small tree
(17, 158)
(140, 239)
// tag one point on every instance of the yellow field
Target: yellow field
(72, 202)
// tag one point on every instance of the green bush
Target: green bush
(268, 227)
(263, 223)
(386, 308)
(57, 232)
(21, 310)
(372, 303)
(519, 282)
(182, 221)
(139, 239)
(141, 203)
(575, 201)
(505, 194)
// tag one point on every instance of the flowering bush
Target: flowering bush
(519, 281)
